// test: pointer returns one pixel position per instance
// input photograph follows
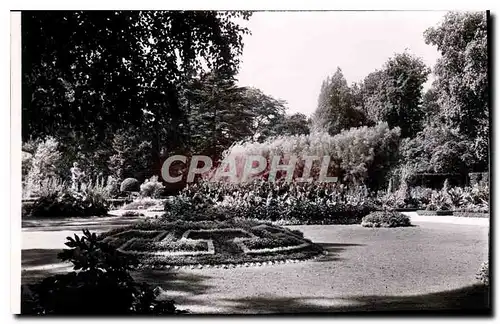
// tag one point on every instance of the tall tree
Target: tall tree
(394, 94)
(462, 78)
(336, 108)
(430, 107)
(221, 113)
(89, 73)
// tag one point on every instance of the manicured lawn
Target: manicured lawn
(429, 266)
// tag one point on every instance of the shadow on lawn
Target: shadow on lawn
(40, 225)
(39, 257)
(32, 259)
(179, 284)
(472, 299)
(334, 249)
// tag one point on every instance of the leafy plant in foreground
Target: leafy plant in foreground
(100, 284)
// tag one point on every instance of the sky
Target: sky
(289, 54)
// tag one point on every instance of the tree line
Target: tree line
(121, 91)
(444, 129)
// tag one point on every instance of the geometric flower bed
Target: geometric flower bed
(158, 243)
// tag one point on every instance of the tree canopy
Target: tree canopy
(336, 108)
(462, 78)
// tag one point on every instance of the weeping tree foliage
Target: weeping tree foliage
(88, 74)
(461, 84)
(337, 106)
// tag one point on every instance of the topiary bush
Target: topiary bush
(130, 185)
(386, 219)
(100, 284)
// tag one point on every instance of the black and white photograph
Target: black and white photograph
(231, 162)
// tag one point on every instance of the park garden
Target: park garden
(119, 99)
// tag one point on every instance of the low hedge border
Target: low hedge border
(471, 211)
(230, 265)
(435, 212)
(471, 214)
(246, 250)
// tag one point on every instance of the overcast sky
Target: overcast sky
(289, 54)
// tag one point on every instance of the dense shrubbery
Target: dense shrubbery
(359, 155)
(386, 219)
(313, 203)
(479, 178)
(101, 284)
(437, 149)
(467, 199)
(305, 203)
(56, 200)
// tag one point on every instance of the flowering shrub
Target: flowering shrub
(26, 160)
(152, 187)
(402, 198)
(468, 199)
(421, 196)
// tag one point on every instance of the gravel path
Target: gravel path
(428, 266)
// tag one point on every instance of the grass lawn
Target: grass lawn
(431, 266)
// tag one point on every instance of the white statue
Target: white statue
(76, 177)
